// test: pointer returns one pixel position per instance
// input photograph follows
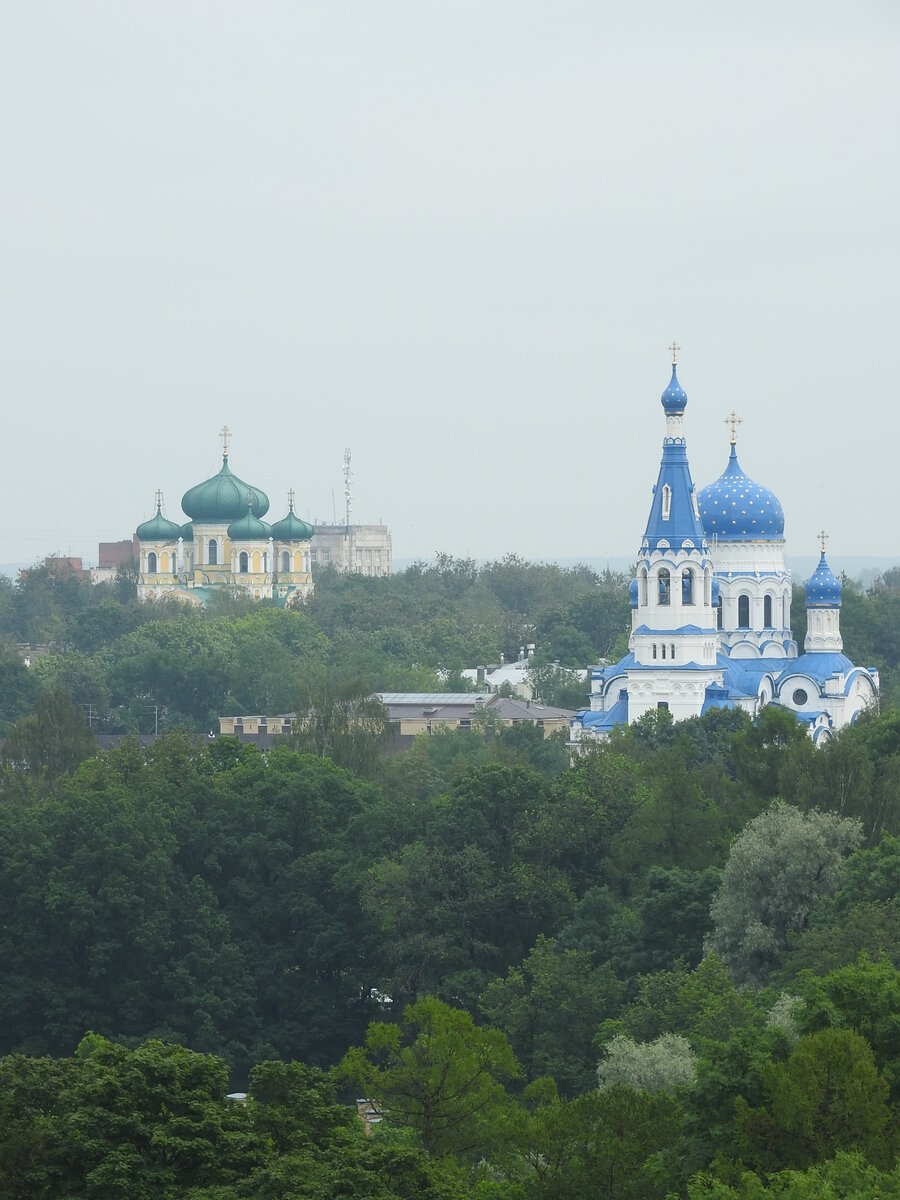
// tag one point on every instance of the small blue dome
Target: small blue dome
(737, 509)
(674, 398)
(633, 593)
(823, 589)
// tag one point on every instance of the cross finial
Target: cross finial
(823, 538)
(674, 348)
(291, 499)
(225, 435)
(733, 420)
(158, 498)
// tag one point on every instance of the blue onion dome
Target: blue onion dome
(735, 508)
(223, 498)
(292, 528)
(823, 588)
(187, 531)
(674, 398)
(249, 528)
(633, 593)
(158, 528)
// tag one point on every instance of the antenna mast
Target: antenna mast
(347, 478)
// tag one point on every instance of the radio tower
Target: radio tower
(347, 478)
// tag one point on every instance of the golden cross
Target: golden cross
(158, 498)
(823, 537)
(291, 498)
(674, 348)
(733, 420)
(225, 435)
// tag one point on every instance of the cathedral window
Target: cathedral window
(767, 612)
(666, 501)
(151, 562)
(653, 649)
(743, 612)
(672, 652)
(243, 561)
(687, 586)
(664, 650)
(285, 561)
(642, 579)
(719, 613)
(665, 587)
(213, 552)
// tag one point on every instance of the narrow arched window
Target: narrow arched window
(243, 561)
(151, 562)
(743, 612)
(672, 651)
(653, 649)
(719, 613)
(664, 649)
(642, 578)
(665, 587)
(666, 502)
(767, 612)
(687, 586)
(213, 552)
(285, 561)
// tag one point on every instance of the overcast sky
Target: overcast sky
(458, 238)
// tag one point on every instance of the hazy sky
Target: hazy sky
(458, 238)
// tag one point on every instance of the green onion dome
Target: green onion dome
(249, 528)
(158, 528)
(223, 498)
(187, 531)
(291, 528)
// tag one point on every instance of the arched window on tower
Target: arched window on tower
(653, 649)
(687, 586)
(243, 561)
(719, 613)
(665, 586)
(767, 612)
(642, 580)
(285, 560)
(213, 552)
(666, 502)
(151, 562)
(672, 652)
(744, 612)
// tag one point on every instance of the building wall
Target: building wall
(353, 549)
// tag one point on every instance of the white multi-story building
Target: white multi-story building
(711, 608)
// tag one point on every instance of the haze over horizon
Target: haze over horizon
(457, 239)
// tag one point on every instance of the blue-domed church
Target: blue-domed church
(711, 609)
(225, 544)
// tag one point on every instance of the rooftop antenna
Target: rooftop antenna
(347, 478)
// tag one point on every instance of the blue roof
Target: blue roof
(716, 697)
(617, 715)
(823, 589)
(674, 398)
(682, 523)
(819, 665)
(737, 509)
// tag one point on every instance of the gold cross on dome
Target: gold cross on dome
(674, 348)
(290, 498)
(733, 420)
(225, 435)
(158, 498)
(823, 538)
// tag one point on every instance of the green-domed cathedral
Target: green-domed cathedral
(224, 544)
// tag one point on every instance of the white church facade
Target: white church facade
(711, 609)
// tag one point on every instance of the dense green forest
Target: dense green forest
(136, 664)
(671, 967)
